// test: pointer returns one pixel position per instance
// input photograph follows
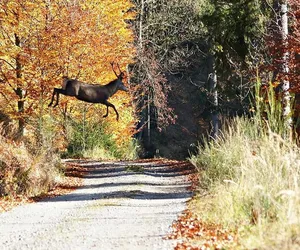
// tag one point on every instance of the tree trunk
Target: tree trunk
(213, 80)
(141, 25)
(145, 114)
(148, 122)
(19, 91)
(286, 98)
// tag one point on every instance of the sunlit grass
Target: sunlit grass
(249, 181)
(252, 182)
(23, 172)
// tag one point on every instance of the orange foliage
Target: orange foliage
(42, 40)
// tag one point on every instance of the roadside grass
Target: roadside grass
(28, 177)
(249, 181)
(249, 178)
(31, 166)
(27, 168)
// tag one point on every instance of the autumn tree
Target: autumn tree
(41, 40)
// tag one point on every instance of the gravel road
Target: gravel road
(122, 205)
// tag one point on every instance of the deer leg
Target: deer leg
(57, 98)
(52, 98)
(56, 92)
(106, 111)
(108, 104)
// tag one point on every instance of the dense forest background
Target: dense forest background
(199, 62)
(190, 65)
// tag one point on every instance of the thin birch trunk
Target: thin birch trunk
(286, 97)
(213, 81)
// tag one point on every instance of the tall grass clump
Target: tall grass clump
(250, 179)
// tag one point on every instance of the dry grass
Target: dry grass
(250, 180)
(25, 173)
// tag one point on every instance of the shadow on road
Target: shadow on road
(133, 194)
(152, 180)
(112, 169)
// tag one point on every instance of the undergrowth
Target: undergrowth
(249, 181)
(90, 140)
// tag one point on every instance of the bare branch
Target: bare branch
(12, 66)
(195, 84)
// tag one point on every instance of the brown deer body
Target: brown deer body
(92, 93)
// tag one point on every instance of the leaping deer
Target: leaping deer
(93, 93)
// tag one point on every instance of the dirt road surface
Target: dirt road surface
(122, 205)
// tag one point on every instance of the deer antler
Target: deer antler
(119, 68)
(112, 65)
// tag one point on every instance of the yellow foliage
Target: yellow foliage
(49, 39)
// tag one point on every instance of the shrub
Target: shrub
(90, 140)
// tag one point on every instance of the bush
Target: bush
(90, 140)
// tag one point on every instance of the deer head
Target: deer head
(120, 77)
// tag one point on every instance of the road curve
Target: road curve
(122, 205)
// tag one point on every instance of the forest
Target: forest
(213, 82)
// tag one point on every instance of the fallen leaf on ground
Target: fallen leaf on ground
(194, 234)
